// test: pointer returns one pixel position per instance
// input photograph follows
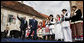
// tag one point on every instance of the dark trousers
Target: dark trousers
(23, 33)
(35, 33)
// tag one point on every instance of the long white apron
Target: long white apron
(67, 31)
(51, 27)
(58, 32)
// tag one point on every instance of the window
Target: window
(10, 18)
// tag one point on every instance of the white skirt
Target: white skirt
(58, 32)
(51, 27)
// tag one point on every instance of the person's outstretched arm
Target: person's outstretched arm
(18, 18)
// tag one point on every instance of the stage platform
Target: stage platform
(25, 40)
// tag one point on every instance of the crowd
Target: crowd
(57, 28)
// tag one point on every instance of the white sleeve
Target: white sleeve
(53, 22)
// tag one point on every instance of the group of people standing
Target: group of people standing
(60, 26)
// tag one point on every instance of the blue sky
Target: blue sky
(49, 7)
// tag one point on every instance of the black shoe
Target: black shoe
(59, 39)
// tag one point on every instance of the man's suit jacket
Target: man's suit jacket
(33, 23)
(23, 24)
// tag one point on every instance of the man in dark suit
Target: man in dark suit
(23, 26)
(33, 26)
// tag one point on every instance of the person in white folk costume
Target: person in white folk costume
(58, 28)
(66, 26)
(51, 25)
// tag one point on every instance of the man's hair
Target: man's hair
(74, 6)
(64, 10)
(51, 15)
